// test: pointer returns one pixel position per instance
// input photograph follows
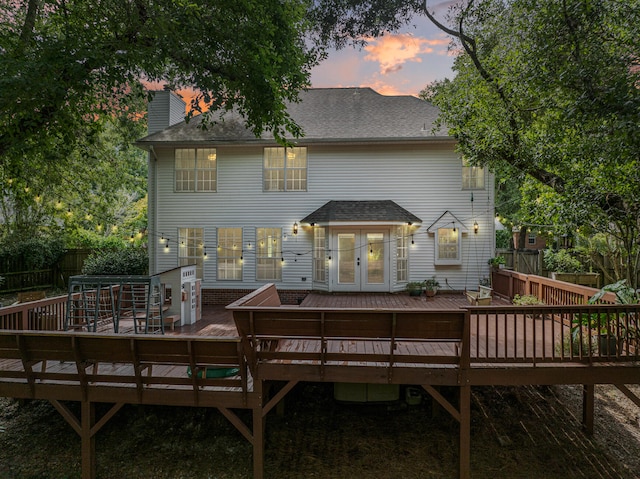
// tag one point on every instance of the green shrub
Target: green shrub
(526, 300)
(82, 238)
(38, 252)
(117, 262)
(561, 261)
(504, 239)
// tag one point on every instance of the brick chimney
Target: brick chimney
(165, 109)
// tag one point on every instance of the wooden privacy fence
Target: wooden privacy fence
(17, 277)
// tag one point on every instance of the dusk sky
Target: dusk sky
(402, 63)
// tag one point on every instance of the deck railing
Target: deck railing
(42, 315)
(550, 291)
(546, 334)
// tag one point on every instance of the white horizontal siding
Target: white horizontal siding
(426, 180)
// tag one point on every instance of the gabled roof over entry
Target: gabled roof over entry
(378, 211)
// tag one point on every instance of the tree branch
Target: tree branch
(29, 25)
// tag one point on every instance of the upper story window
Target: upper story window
(448, 246)
(285, 169)
(472, 176)
(196, 169)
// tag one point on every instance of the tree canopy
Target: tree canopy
(64, 64)
(72, 96)
(548, 93)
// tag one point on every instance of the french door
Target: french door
(362, 260)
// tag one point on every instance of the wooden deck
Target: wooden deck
(390, 339)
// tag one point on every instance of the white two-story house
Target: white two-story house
(368, 199)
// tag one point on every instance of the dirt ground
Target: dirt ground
(517, 433)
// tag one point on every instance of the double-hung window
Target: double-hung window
(268, 254)
(285, 169)
(191, 248)
(230, 253)
(472, 176)
(448, 246)
(195, 169)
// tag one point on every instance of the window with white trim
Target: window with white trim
(195, 169)
(402, 254)
(285, 169)
(230, 254)
(269, 254)
(472, 176)
(191, 248)
(448, 246)
(531, 238)
(319, 255)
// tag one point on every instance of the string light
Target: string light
(327, 253)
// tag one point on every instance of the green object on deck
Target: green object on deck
(214, 372)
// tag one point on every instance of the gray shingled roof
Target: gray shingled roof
(325, 115)
(353, 211)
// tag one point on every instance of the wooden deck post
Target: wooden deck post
(258, 431)
(588, 394)
(465, 431)
(88, 419)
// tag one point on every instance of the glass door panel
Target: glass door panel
(347, 258)
(375, 271)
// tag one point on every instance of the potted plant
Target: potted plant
(608, 333)
(415, 288)
(431, 286)
(528, 300)
(497, 262)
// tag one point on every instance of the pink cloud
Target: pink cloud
(393, 51)
(385, 88)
